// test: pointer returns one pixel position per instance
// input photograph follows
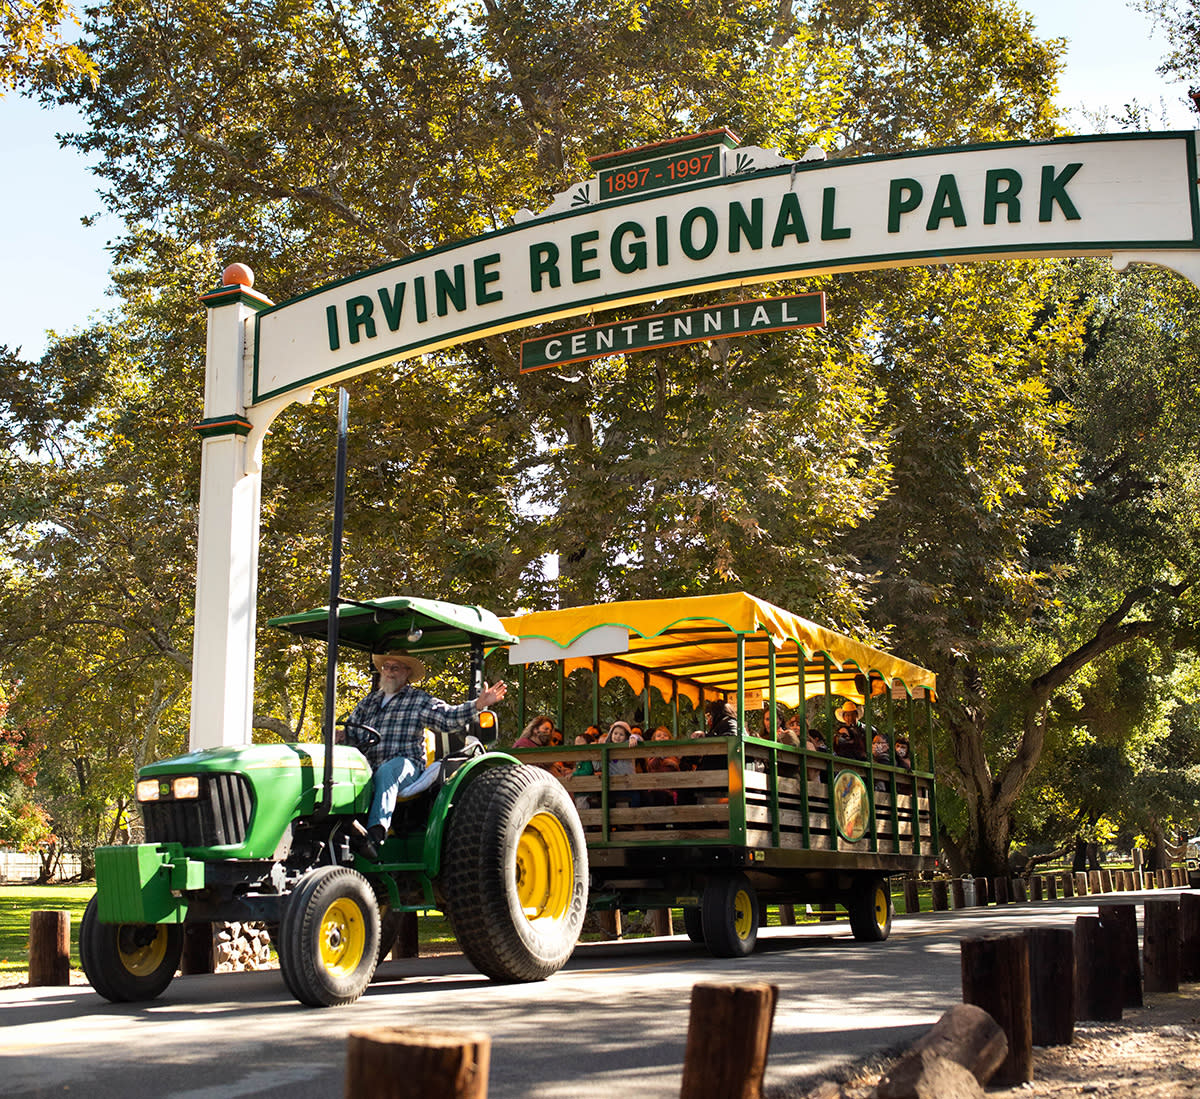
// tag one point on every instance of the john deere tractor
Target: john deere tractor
(267, 832)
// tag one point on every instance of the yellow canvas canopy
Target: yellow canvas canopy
(691, 644)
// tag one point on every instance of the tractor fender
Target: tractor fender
(435, 829)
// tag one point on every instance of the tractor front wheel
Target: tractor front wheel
(515, 873)
(329, 937)
(126, 962)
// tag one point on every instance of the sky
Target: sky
(54, 271)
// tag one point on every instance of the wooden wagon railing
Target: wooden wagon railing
(749, 793)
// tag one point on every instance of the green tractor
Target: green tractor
(266, 832)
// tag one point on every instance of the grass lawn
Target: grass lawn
(16, 903)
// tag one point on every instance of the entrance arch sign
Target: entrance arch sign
(628, 235)
(1092, 196)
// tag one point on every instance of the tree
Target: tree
(1101, 548)
(33, 49)
(311, 140)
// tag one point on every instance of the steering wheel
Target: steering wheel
(359, 735)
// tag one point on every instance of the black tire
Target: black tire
(870, 909)
(130, 961)
(693, 924)
(1194, 881)
(729, 915)
(329, 937)
(515, 873)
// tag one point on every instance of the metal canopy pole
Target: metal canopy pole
(335, 587)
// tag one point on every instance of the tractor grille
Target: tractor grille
(219, 817)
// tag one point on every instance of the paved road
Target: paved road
(613, 1021)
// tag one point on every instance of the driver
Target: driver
(400, 713)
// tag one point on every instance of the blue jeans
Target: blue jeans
(390, 779)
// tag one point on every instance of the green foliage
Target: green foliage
(886, 474)
(34, 51)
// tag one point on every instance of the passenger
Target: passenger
(537, 733)
(903, 754)
(815, 742)
(592, 734)
(791, 731)
(585, 769)
(720, 718)
(660, 765)
(618, 734)
(881, 754)
(850, 738)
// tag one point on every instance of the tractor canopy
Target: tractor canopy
(386, 624)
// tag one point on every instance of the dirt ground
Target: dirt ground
(1152, 1053)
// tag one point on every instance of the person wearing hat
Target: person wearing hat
(401, 712)
(850, 737)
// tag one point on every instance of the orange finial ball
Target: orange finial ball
(237, 274)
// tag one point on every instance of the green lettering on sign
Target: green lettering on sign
(671, 329)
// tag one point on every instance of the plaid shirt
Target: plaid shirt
(402, 721)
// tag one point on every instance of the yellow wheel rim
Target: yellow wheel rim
(141, 958)
(545, 869)
(743, 915)
(881, 907)
(343, 937)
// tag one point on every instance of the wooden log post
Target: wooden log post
(1052, 985)
(609, 921)
(1094, 884)
(392, 1062)
(660, 920)
(408, 943)
(966, 1036)
(50, 947)
(1099, 988)
(1036, 883)
(1020, 893)
(1189, 936)
(1000, 890)
(981, 891)
(729, 1032)
(1106, 882)
(1138, 859)
(1081, 884)
(1160, 946)
(199, 954)
(912, 898)
(787, 915)
(938, 895)
(1068, 884)
(958, 894)
(995, 977)
(1051, 887)
(1122, 918)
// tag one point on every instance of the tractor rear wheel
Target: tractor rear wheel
(126, 962)
(329, 937)
(515, 873)
(693, 924)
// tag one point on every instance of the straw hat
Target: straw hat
(840, 713)
(416, 669)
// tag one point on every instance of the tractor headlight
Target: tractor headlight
(147, 789)
(188, 787)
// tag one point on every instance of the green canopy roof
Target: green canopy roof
(382, 625)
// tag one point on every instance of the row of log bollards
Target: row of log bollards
(729, 1031)
(1038, 983)
(972, 892)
